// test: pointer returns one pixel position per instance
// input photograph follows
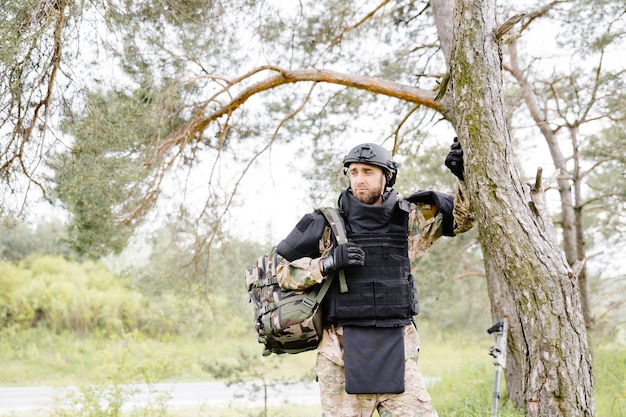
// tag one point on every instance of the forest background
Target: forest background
(112, 237)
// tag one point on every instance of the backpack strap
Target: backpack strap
(309, 303)
(335, 221)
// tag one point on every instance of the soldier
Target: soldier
(367, 358)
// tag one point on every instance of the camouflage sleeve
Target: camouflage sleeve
(299, 274)
(425, 228)
(463, 217)
(426, 223)
(304, 272)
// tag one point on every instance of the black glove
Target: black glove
(454, 160)
(347, 254)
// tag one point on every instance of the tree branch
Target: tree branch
(203, 244)
(347, 29)
(374, 85)
(539, 13)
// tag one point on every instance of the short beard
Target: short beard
(369, 198)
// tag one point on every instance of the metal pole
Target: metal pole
(498, 352)
(496, 393)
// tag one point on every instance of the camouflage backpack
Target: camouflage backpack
(288, 321)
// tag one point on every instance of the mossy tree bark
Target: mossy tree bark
(546, 315)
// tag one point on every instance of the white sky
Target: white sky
(274, 195)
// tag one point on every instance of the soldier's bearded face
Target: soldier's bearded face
(367, 182)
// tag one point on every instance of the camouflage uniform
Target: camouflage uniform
(425, 227)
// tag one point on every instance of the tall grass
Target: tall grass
(40, 356)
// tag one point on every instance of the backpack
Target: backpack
(289, 321)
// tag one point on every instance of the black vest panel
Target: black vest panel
(382, 292)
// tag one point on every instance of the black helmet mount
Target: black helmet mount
(373, 154)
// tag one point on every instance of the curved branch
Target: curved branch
(337, 39)
(592, 203)
(364, 19)
(532, 16)
(371, 84)
(396, 139)
(205, 243)
(374, 85)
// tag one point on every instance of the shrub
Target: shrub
(62, 295)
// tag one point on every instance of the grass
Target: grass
(41, 357)
(466, 375)
(610, 377)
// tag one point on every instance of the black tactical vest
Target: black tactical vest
(382, 292)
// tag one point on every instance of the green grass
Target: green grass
(466, 373)
(610, 378)
(41, 357)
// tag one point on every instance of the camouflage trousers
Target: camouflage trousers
(336, 402)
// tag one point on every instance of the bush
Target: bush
(82, 297)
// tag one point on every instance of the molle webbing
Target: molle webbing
(380, 291)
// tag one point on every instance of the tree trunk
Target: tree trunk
(571, 206)
(554, 356)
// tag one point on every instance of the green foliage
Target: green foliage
(113, 385)
(61, 295)
(469, 393)
(39, 356)
(168, 297)
(422, 165)
(453, 295)
(208, 285)
(24, 26)
(32, 49)
(610, 380)
(608, 180)
(18, 240)
(172, 37)
(461, 361)
(103, 177)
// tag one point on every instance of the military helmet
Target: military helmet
(373, 154)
